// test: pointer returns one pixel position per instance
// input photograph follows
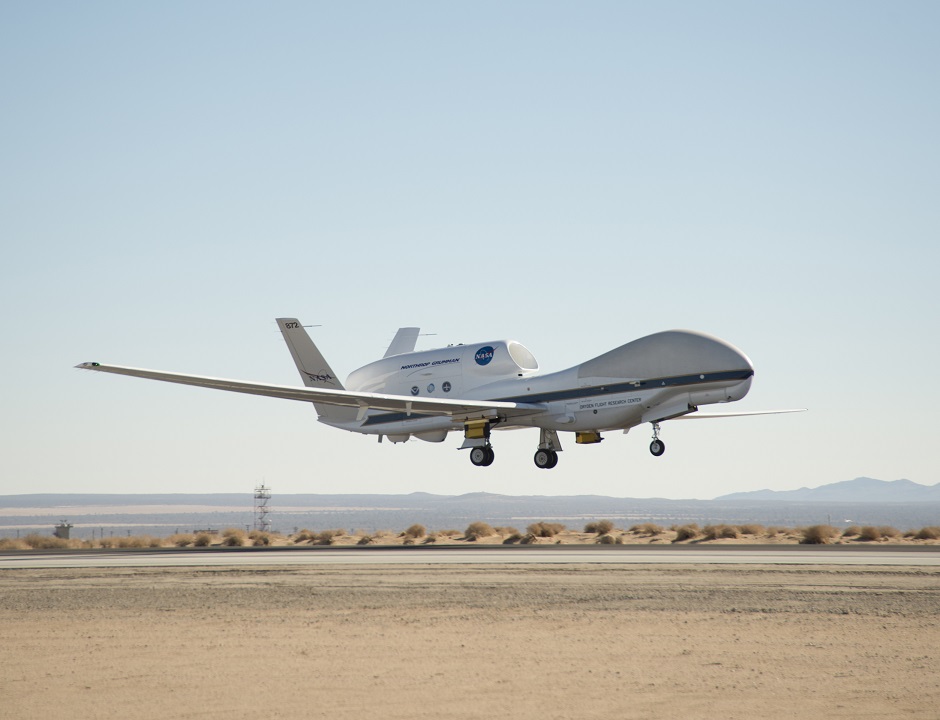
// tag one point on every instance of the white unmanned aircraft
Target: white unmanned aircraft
(475, 388)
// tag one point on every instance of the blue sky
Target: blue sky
(569, 175)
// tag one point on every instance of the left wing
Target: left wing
(342, 398)
(706, 416)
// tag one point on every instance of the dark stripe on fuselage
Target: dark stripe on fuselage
(588, 392)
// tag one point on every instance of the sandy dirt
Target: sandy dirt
(471, 642)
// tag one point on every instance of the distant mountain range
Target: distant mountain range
(863, 490)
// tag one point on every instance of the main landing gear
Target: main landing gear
(482, 455)
(546, 459)
(657, 447)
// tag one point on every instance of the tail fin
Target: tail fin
(314, 369)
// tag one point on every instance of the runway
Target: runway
(883, 555)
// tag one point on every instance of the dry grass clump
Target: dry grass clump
(819, 535)
(752, 529)
(304, 535)
(477, 530)
(181, 539)
(928, 533)
(11, 544)
(874, 534)
(647, 529)
(415, 531)
(326, 537)
(430, 539)
(608, 540)
(717, 532)
(852, 531)
(506, 530)
(259, 538)
(513, 539)
(528, 539)
(775, 530)
(137, 542)
(366, 540)
(601, 527)
(449, 533)
(35, 541)
(202, 540)
(545, 529)
(687, 532)
(233, 537)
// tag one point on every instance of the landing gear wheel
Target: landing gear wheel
(545, 459)
(482, 456)
(657, 447)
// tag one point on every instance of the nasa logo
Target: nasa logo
(484, 355)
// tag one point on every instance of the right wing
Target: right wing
(458, 409)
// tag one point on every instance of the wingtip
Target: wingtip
(88, 365)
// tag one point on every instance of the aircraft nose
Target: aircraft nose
(739, 390)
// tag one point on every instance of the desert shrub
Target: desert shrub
(12, 544)
(647, 529)
(687, 532)
(752, 529)
(528, 539)
(601, 527)
(513, 539)
(477, 530)
(449, 533)
(137, 542)
(430, 539)
(416, 531)
(869, 533)
(408, 540)
(506, 530)
(326, 537)
(717, 532)
(852, 531)
(928, 533)
(233, 537)
(304, 536)
(608, 540)
(202, 540)
(182, 539)
(819, 535)
(545, 529)
(888, 532)
(365, 540)
(36, 541)
(259, 538)
(775, 530)
(106, 543)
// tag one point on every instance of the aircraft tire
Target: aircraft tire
(657, 447)
(545, 459)
(490, 456)
(479, 456)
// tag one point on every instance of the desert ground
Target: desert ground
(422, 641)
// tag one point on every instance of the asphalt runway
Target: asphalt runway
(882, 555)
